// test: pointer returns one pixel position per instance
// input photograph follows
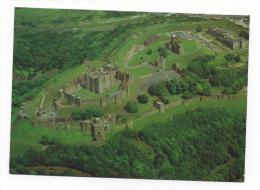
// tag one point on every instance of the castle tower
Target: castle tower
(175, 44)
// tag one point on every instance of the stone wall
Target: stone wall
(225, 38)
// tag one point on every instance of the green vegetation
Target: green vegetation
(86, 114)
(179, 149)
(182, 120)
(142, 98)
(131, 107)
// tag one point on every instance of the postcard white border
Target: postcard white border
(237, 7)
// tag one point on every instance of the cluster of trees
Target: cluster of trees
(232, 58)
(88, 113)
(47, 50)
(26, 90)
(189, 86)
(191, 146)
(198, 28)
(45, 140)
(231, 79)
(200, 76)
(162, 51)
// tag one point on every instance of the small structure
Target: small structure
(85, 126)
(23, 116)
(98, 129)
(160, 106)
(77, 101)
(151, 40)
(175, 44)
(160, 64)
(72, 99)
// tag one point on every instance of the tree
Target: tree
(187, 94)
(142, 98)
(158, 89)
(171, 87)
(149, 52)
(164, 100)
(131, 107)
(162, 51)
(86, 114)
(198, 28)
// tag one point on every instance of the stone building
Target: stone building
(225, 38)
(160, 106)
(175, 44)
(98, 81)
(98, 129)
(160, 63)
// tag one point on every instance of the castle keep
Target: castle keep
(225, 38)
(98, 81)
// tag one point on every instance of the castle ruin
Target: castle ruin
(175, 44)
(98, 129)
(160, 64)
(151, 40)
(225, 38)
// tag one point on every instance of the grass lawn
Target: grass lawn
(24, 136)
(84, 92)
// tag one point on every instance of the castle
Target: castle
(225, 38)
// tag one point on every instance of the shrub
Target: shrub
(121, 118)
(142, 98)
(199, 29)
(228, 91)
(131, 107)
(164, 100)
(162, 51)
(171, 87)
(158, 89)
(149, 52)
(187, 94)
(87, 114)
(45, 140)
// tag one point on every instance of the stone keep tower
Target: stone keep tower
(98, 81)
(175, 44)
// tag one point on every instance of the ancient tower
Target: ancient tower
(175, 44)
(98, 129)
